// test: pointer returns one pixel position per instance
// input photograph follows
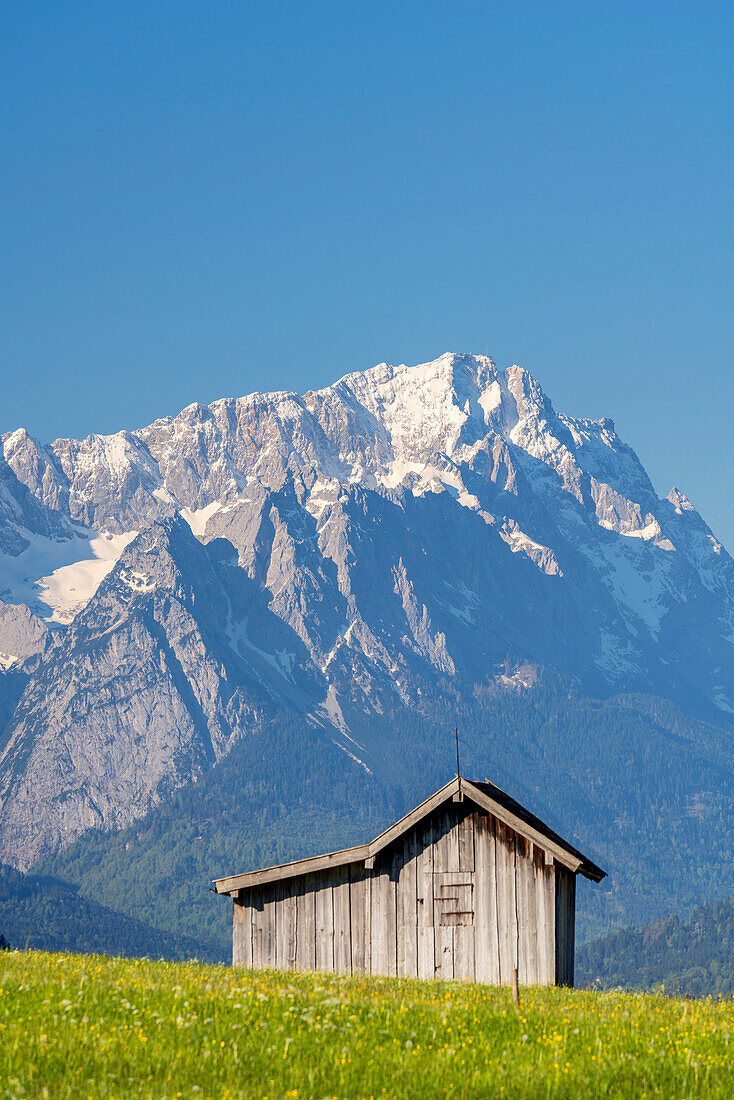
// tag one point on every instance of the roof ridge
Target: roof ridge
(523, 822)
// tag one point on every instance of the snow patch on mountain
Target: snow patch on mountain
(56, 578)
(197, 518)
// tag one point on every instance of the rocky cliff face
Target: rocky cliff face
(405, 536)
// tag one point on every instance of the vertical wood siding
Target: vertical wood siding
(565, 905)
(407, 907)
(285, 925)
(460, 895)
(325, 922)
(426, 938)
(506, 901)
(241, 935)
(360, 909)
(342, 921)
(486, 925)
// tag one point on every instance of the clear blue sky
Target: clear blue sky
(199, 200)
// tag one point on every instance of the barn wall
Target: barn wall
(565, 925)
(458, 896)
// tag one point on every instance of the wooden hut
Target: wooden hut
(468, 885)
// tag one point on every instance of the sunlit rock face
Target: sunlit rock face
(402, 537)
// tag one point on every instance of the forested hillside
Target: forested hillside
(48, 914)
(694, 957)
(627, 780)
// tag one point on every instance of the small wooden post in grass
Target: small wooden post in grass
(515, 988)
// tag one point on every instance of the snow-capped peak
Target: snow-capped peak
(547, 484)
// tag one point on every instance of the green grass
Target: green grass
(75, 1025)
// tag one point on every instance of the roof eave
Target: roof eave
(232, 884)
(591, 871)
(574, 861)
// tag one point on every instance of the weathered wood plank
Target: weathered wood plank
(269, 926)
(256, 899)
(464, 952)
(486, 934)
(464, 942)
(506, 901)
(527, 962)
(445, 858)
(360, 907)
(424, 899)
(378, 950)
(396, 868)
(263, 929)
(241, 935)
(466, 839)
(560, 924)
(441, 829)
(384, 917)
(286, 924)
(571, 965)
(306, 924)
(456, 878)
(568, 890)
(444, 951)
(407, 908)
(567, 930)
(453, 893)
(342, 922)
(324, 915)
(458, 920)
(525, 931)
(565, 927)
(565, 919)
(447, 838)
(545, 917)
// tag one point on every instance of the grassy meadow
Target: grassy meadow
(92, 1026)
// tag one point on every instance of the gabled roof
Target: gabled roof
(485, 795)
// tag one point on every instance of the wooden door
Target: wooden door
(453, 894)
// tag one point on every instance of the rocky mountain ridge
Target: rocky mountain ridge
(407, 535)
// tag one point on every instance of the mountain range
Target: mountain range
(364, 566)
